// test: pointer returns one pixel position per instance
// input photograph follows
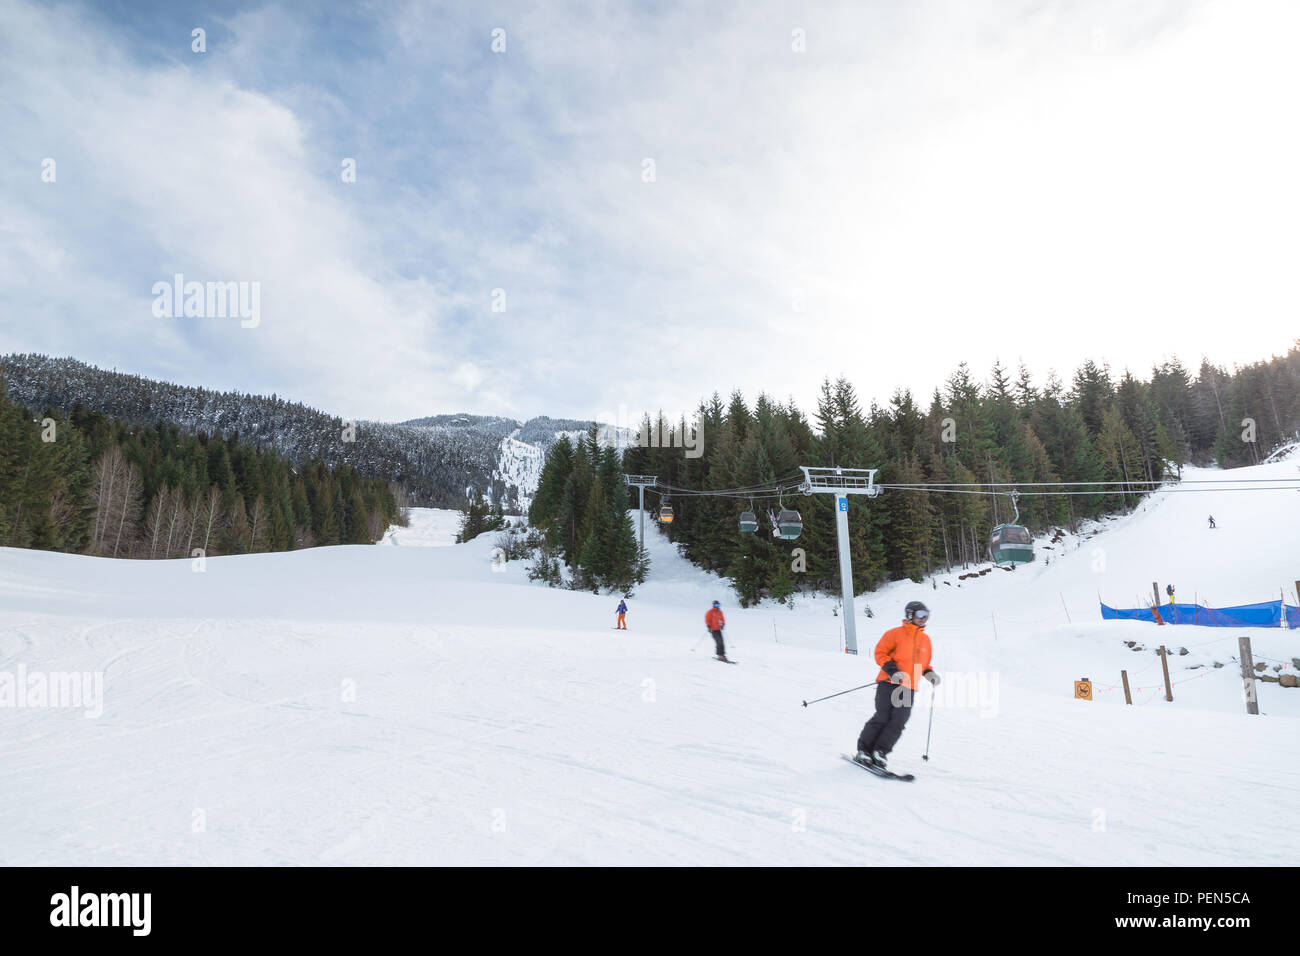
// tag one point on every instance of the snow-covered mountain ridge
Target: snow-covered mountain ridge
(439, 459)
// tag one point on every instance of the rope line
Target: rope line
(794, 483)
(1062, 494)
(1032, 484)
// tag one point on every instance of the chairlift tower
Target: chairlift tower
(642, 482)
(842, 482)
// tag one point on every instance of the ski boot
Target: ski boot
(864, 758)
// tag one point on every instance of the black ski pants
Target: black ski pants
(893, 707)
(717, 639)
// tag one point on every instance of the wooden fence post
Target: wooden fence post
(1128, 698)
(1164, 664)
(1248, 675)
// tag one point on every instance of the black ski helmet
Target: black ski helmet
(913, 607)
(716, 604)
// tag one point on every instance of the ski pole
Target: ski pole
(697, 642)
(840, 694)
(926, 755)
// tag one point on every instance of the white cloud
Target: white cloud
(467, 376)
(942, 181)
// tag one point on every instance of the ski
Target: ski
(721, 661)
(887, 774)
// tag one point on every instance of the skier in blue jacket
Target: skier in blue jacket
(622, 616)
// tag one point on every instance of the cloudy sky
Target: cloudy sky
(671, 198)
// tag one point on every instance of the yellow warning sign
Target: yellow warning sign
(1083, 689)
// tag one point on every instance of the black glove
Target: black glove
(890, 668)
(932, 677)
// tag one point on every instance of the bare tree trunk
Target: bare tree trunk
(211, 513)
(156, 518)
(130, 504)
(107, 470)
(257, 526)
(191, 525)
(175, 520)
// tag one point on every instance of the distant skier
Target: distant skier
(1169, 589)
(904, 656)
(1212, 524)
(715, 622)
(622, 615)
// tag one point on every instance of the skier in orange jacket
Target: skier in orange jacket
(903, 654)
(715, 622)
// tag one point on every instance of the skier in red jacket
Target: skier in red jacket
(715, 622)
(904, 657)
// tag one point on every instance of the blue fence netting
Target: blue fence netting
(1266, 614)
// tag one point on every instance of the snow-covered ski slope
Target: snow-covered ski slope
(410, 705)
(428, 528)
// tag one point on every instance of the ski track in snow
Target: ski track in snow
(495, 721)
